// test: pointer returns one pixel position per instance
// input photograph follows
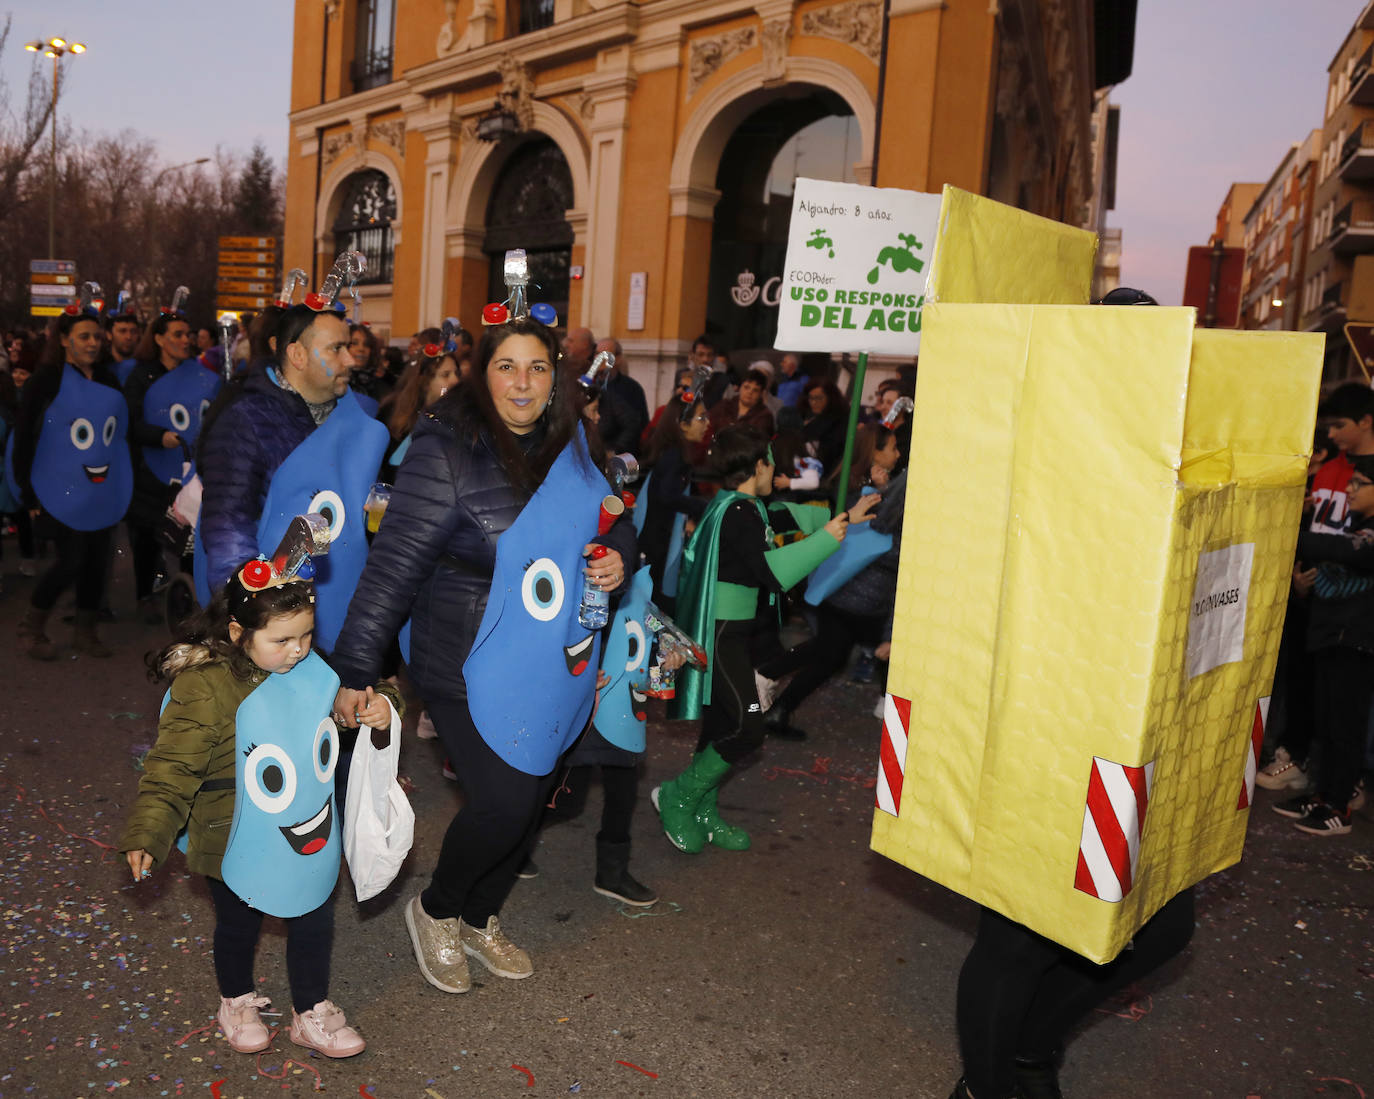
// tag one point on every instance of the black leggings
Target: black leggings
(82, 556)
(309, 944)
(146, 551)
(732, 721)
(1020, 994)
(489, 837)
(1344, 686)
(825, 654)
(619, 789)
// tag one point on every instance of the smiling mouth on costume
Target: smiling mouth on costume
(97, 473)
(577, 655)
(638, 698)
(310, 836)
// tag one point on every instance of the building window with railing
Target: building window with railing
(530, 15)
(364, 222)
(374, 39)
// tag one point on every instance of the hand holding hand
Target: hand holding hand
(348, 705)
(375, 711)
(1303, 580)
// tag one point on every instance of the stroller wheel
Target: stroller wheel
(181, 600)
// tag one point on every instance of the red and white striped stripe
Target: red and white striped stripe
(1113, 819)
(892, 753)
(1247, 785)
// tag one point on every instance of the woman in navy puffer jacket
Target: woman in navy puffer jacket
(475, 459)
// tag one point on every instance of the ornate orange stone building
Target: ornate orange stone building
(643, 152)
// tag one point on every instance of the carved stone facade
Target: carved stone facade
(857, 23)
(709, 54)
(777, 34)
(335, 146)
(391, 132)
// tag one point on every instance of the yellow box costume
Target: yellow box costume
(1102, 507)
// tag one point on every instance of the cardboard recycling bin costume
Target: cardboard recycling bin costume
(1102, 508)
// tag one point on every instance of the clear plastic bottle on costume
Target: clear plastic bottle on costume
(594, 610)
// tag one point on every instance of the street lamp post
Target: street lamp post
(56, 48)
(177, 167)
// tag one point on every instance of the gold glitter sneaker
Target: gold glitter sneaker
(491, 947)
(437, 949)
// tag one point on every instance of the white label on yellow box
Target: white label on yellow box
(1216, 625)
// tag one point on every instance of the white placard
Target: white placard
(857, 263)
(1216, 616)
(634, 312)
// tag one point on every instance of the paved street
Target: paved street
(808, 966)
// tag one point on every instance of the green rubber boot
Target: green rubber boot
(727, 836)
(677, 799)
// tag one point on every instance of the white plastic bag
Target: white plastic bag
(379, 824)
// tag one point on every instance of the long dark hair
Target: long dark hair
(147, 349)
(408, 399)
(204, 637)
(668, 432)
(470, 411)
(54, 354)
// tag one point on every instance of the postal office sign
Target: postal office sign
(857, 263)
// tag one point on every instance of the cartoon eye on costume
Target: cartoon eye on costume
(542, 589)
(180, 417)
(83, 434)
(325, 753)
(636, 632)
(108, 432)
(204, 407)
(328, 504)
(270, 777)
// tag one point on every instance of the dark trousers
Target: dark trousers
(732, 721)
(146, 551)
(491, 835)
(1293, 682)
(1344, 681)
(825, 654)
(309, 944)
(80, 560)
(23, 529)
(619, 789)
(1020, 994)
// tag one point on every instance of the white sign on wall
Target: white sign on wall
(634, 311)
(1216, 619)
(857, 263)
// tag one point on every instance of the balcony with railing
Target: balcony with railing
(532, 15)
(371, 69)
(1352, 228)
(1362, 79)
(1357, 155)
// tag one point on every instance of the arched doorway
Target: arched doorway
(363, 223)
(811, 132)
(527, 209)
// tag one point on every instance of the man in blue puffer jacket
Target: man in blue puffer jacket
(257, 427)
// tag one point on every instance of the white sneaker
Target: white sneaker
(424, 728)
(880, 707)
(1282, 773)
(28, 566)
(767, 690)
(243, 1029)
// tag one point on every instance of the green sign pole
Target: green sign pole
(855, 393)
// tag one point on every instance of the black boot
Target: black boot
(1038, 1079)
(778, 723)
(613, 877)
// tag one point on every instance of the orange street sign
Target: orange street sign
(235, 286)
(51, 280)
(231, 271)
(246, 244)
(1360, 335)
(45, 310)
(241, 301)
(228, 259)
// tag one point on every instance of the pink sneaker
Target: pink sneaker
(324, 1029)
(243, 1029)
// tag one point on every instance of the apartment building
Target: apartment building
(1275, 240)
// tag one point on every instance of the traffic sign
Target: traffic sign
(241, 301)
(51, 280)
(228, 259)
(52, 266)
(235, 286)
(60, 293)
(1360, 335)
(229, 244)
(45, 310)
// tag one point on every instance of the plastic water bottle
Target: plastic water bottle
(594, 610)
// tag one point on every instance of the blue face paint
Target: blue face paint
(320, 359)
(82, 473)
(531, 674)
(620, 713)
(329, 472)
(177, 401)
(285, 840)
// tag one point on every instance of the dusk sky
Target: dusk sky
(1219, 91)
